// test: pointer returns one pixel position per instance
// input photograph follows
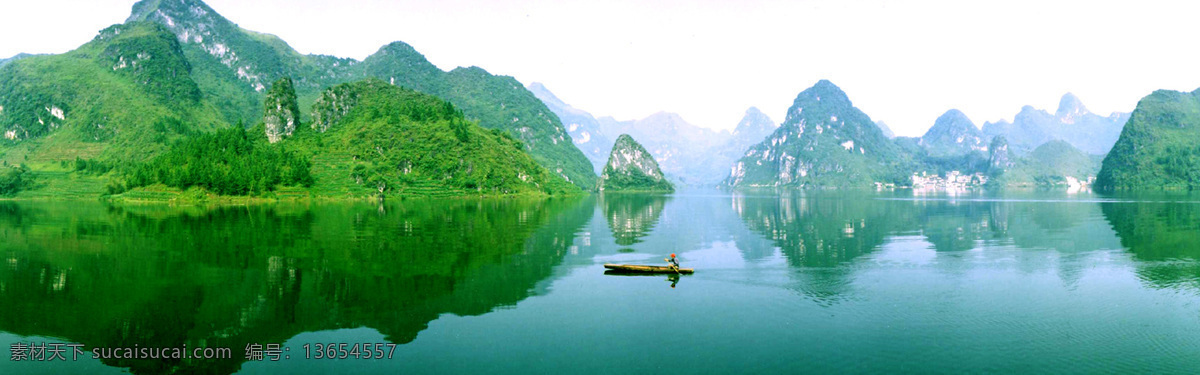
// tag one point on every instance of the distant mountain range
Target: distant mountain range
(827, 142)
(584, 129)
(1072, 122)
(687, 153)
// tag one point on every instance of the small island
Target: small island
(631, 168)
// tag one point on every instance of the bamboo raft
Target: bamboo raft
(633, 268)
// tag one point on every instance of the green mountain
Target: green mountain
(395, 140)
(234, 66)
(953, 134)
(631, 168)
(1159, 147)
(1053, 163)
(824, 142)
(497, 102)
(177, 68)
(370, 138)
(953, 143)
(121, 97)
(238, 65)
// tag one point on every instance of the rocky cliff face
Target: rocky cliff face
(332, 105)
(281, 112)
(631, 168)
(999, 157)
(196, 25)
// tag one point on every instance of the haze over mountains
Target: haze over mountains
(1072, 122)
(686, 153)
(689, 154)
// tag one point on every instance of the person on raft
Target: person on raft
(673, 261)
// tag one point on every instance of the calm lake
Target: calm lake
(803, 282)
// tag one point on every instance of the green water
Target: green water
(792, 283)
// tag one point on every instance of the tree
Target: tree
(13, 180)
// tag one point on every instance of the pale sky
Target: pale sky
(902, 62)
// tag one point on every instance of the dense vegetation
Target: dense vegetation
(1159, 147)
(394, 140)
(634, 181)
(497, 102)
(13, 179)
(235, 76)
(119, 97)
(227, 162)
(177, 69)
(1050, 164)
(152, 57)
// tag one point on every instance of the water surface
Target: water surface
(793, 282)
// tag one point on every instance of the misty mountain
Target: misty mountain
(887, 131)
(1072, 122)
(953, 134)
(582, 126)
(687, 153)
(15, 58)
